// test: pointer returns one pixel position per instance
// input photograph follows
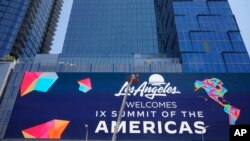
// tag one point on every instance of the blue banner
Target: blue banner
(162, 106)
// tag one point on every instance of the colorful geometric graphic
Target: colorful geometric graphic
(39, 81)
(85, 85)
(49, 130)
(216, 91)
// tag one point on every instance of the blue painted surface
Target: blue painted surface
(64, 101)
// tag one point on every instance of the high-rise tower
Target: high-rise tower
(27, 26)
(202, 35)
(111, 27)
(115, 36)
(205, 33)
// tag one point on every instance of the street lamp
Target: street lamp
(203, 132)
(131, 79)
(87, 131)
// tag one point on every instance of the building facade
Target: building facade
(5, 71)
(120, 35)
(111, 27)
(27, 27)
(204, 33)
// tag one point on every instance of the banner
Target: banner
(164, 106)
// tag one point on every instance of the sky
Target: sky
(240, 9)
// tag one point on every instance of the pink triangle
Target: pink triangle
(85, 82)
(28, 78)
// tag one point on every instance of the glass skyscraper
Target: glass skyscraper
(27, 26)
(208, 37)
(115, 36)
(111, 27)
(202, 35)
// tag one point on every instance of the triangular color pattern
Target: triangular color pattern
(86, 82)
(28, 81)
(49, 130)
